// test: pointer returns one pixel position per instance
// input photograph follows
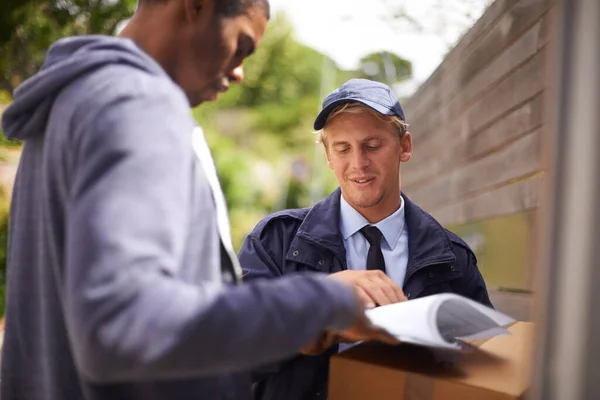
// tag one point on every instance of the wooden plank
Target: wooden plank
(483, 25)
(438, 192)
(454, 145)
(487, 21)
(518, 159)
(425, 100)
(503, 200)
(433, 137)
(441, 156)
(497, 70)
(511, 26)
(463, 63)
(524, 83)
(548, 28)
(423, 128)
(431, 153)
(515, 124)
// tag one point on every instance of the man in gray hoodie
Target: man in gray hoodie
(121, 280)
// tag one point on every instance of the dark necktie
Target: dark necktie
(375, 256)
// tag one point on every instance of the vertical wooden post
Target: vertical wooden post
(569, 354)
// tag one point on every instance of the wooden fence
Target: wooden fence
(481, 142)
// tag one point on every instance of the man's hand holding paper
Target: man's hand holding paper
(374, 288)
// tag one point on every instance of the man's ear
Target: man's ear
(406, 147)
(327, 155)
(196, 10)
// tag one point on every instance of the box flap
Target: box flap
(501, 364)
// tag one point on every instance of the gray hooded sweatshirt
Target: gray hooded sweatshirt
(115, 288)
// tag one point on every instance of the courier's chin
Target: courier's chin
(363, 198)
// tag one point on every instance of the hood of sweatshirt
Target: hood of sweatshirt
(67, 60)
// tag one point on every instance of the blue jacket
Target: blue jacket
(307, 240)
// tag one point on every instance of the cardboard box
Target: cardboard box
(499, 369)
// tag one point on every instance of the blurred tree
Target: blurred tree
(385, 67)
(29, 27)
(283, 69)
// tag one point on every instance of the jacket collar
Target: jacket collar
(321, 227)
(428, 242)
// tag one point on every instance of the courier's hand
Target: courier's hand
(325, 341)
(374, 287)
(360, 330)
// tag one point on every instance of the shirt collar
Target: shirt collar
(351, 221)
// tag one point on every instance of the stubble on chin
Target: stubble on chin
(365, 200)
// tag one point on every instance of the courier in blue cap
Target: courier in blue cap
(366, 232)
(364, 133)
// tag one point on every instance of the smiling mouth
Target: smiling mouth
(362, 181)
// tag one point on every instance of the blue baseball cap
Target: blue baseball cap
(376, 95)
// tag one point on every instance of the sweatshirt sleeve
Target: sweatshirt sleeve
(129, 316)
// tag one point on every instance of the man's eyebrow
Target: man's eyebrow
(371, 138)
(338, 143)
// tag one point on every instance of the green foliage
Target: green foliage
(240, 191)
(377, 61)
(29, 27)
(5, 142)
(282, 70)
(297, 194)
(5, 98)
(284, 120)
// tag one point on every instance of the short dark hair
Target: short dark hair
(233, 8)
(229, 8)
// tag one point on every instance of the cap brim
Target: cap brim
(324, 114)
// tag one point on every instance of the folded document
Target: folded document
(443, 320)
